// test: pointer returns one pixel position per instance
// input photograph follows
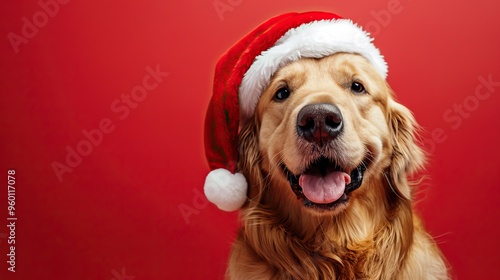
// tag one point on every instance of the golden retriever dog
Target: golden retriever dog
(327, 155)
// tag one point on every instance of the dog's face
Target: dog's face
(326, 126)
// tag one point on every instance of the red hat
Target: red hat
(244, 71)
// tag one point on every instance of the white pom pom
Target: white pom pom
(226, 190)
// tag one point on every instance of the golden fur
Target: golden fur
(375, 235)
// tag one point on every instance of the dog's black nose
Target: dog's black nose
(319, 123)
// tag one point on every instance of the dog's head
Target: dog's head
(322, 130)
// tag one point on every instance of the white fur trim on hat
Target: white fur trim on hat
(315, 40)
(226, 190)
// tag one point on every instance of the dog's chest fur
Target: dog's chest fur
(313, 255)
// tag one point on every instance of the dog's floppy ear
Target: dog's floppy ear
(249, 159)
(407, 157)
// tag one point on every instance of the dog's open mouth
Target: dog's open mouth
(324, 184)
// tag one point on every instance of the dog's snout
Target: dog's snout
(319, 123)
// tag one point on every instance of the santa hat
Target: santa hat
(245, 70)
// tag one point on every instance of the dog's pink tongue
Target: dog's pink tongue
(323, 190)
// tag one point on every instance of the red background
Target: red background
(117, 214)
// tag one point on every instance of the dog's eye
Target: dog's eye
(282, 94)
(357, 88)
